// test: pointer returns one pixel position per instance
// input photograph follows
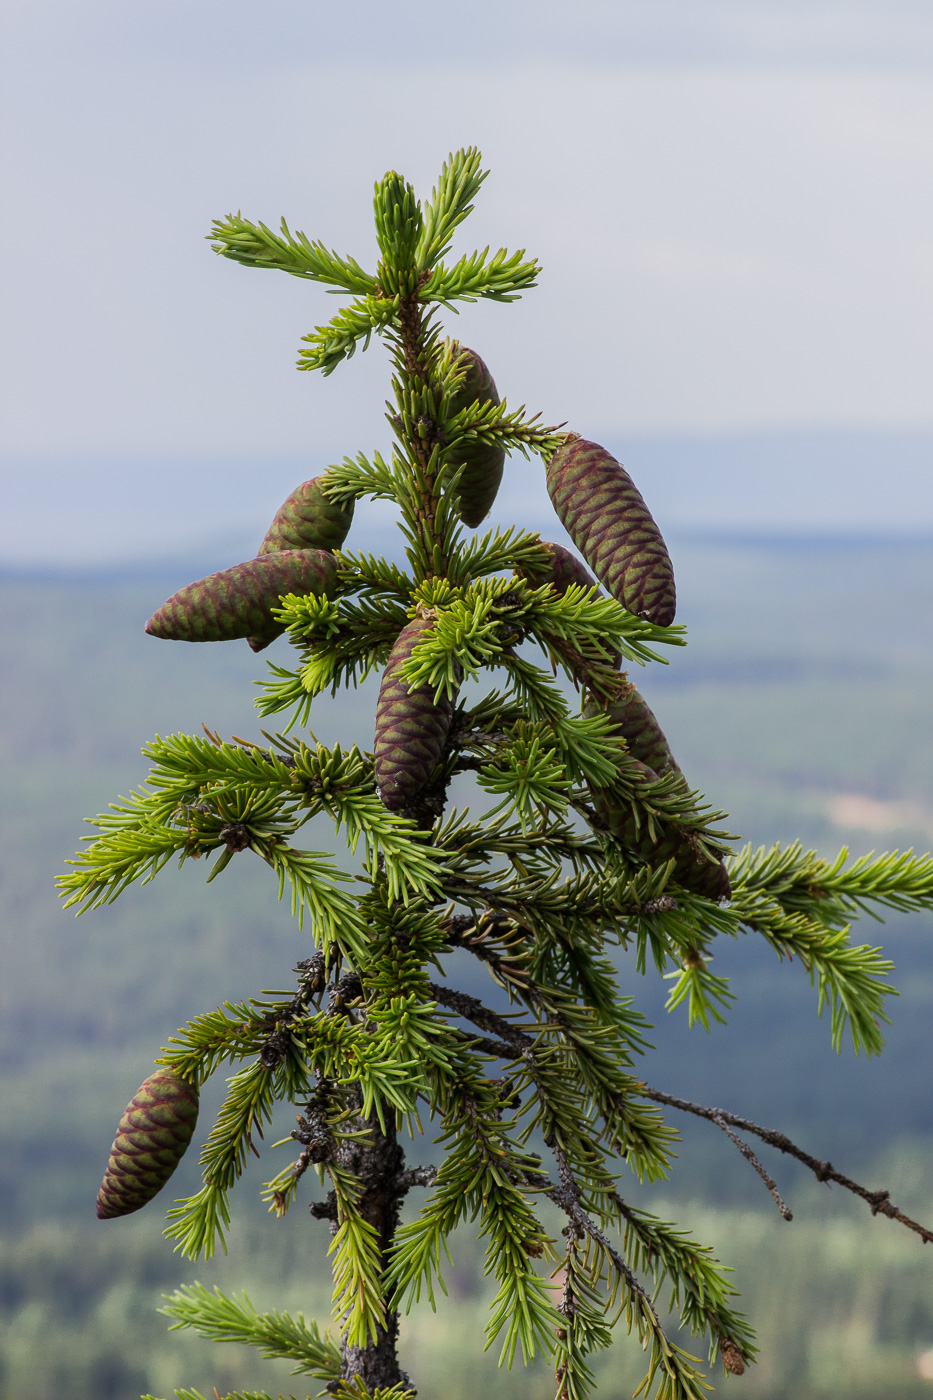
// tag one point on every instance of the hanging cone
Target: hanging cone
(411, 728)
(152, 1137)
(561, 569)
(237, 602)
(731, 1357)
(308, 520)
(631, 715)
(692, 867)
(603, 511)
(482, 463)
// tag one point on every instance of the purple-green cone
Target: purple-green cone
(631, 715)
(152, 1137)
(561, 569)
(308, 520)
(649, 748)
(482, 463)
(603, 511)
(411, 728)
(237, 602)
(692, 867)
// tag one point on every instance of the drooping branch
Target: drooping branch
(515, 1043)
(675, 1363)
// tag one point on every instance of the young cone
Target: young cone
(411, 726)
(238, 602)
(308, 520)
(602, 510)
(482, 463)
(152, 1137)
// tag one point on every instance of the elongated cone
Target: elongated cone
(411, 728)
(237, 602)
(631, 715)
(693, 868)
(561, 570)
(308, 520)
(602, 510)
(152, 1137)
(483, 464)
(647, 744)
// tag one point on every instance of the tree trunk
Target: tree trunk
(379, 1162)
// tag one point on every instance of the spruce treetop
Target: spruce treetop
(592, 841)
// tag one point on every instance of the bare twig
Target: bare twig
(415, 1176)
(496, 1048)
(750, 1157)
(475, 1011)
(879, 1202)
(470, 738)
(470, 764)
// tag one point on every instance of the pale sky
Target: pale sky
(732, 202)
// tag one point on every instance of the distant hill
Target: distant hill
(138, 506)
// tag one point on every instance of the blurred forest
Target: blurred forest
(801, 707)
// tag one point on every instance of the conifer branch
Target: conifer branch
(255, 245)
(231, 1395)
(219, 1317)
(338, 340)
(451, 202)
(698, 1287)
(678, 1377)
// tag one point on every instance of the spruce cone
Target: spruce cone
(236, 602)
(693, 869)
(731, 1357)
(482, 469)
(621, 823)
(308, 520)
(602, 510)
(152, 1137)
(411, 729)
(636, 722)
(564, 569)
